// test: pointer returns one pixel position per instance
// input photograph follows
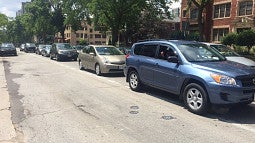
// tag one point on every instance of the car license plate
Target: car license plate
(121, 67)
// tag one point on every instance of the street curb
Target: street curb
(7, 131)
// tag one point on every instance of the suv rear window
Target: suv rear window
(145, 50)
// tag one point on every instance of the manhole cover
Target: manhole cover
(134, 107)
(133, 112)
(167, 117)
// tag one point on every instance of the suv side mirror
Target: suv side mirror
(172, 59)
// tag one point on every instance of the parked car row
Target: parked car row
(196, 72)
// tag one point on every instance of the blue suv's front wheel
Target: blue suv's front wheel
(195, 98)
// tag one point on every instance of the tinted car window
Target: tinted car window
(90, 50)
(165, 52)
(145, 50)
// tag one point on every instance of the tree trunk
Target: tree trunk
(200, 24)
(115, 35)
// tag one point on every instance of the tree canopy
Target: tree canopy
(132, 19)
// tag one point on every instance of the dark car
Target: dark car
(78, 48)
(8, 49)
(30, 47)
(200, 75)
(22, 47)
(39, 48)
(125, 50)
(46, 50)
(61, 51)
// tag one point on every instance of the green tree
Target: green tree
(76, 11)
(119, 15)
(58, 16)
(3, 24)
(201, 6)
(40, 12)
(229, 39)
(246, 38)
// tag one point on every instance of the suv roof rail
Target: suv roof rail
(151, 40)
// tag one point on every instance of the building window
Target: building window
(194, 13)
(98, 42)
(245, 8)
(97, 36)
(103, 36)
(90, 30)
(219, 33)
(222, 10)
(81, 35)
(173, 26)
(85, 35)
(184, 13)
(77, 35)
(91, 36)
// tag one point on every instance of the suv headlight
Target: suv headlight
(222, 79)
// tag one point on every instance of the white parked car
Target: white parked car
(231, 55)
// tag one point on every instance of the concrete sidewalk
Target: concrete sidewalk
(7, 131)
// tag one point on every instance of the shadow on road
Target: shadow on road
(109, 75)
(236, 114)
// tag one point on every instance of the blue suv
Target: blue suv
(200, 75)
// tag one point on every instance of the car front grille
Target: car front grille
(247, 81)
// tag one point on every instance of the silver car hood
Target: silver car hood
(242, 60)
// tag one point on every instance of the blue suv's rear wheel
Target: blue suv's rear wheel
(134, 81)
(195, 98)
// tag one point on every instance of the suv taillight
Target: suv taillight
(127, 55)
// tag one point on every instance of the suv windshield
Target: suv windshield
(108, 51)
(224, 50)
(200, 53)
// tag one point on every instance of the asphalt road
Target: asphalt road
(55, 102)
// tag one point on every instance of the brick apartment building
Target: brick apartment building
(220, 18)
(87, 33)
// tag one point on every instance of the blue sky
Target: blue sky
(10, 7)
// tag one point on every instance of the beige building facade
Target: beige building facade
(87, 33)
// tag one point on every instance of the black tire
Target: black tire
(57, 58)
(134, 81)
(196, 99)
(98, 70)
(80, 65)
(51, 57)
